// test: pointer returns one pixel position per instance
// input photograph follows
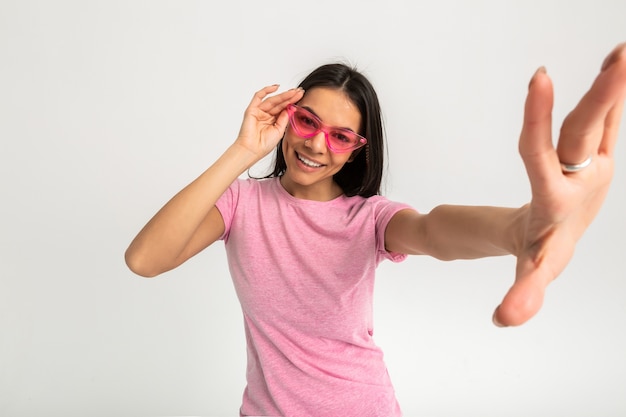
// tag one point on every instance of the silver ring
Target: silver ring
(576, 167)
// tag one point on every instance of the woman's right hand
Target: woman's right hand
(265, 120)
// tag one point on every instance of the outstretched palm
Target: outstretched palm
(563, 204)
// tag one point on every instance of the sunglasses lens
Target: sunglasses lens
(305, 124)
(343, 139)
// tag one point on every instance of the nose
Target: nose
(317, 143)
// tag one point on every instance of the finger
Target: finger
(611, 129)
(616, 54)
(535, 143)
(283, 117)
(276, 104)
(593, 124)
(260, 95)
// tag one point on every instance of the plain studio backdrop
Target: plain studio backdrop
(109, 108)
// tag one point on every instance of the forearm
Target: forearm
(469, 232)
(164, 238)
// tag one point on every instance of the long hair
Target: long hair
(363, 175)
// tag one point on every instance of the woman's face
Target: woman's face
(310, 164)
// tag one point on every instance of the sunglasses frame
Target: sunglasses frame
(292, 109)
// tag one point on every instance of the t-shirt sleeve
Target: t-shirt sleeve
(227, 204)
(384, 211)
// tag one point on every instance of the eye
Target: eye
(307, 120)
(343, 137)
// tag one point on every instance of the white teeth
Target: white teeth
(307, 162)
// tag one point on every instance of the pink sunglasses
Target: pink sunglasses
(307, 125)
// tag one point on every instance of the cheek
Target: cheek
(287, 143)
(288, 140)
(339, 160)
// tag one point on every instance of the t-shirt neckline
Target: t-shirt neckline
(305, 202)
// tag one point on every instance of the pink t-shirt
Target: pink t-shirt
(304, 274)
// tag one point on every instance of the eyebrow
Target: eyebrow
(310, 110)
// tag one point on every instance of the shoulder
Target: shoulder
(238, 191)
(246, 186)
(380, 205)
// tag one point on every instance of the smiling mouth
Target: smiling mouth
(307, 162)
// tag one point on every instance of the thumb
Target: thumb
(523, 300)
(281, 122)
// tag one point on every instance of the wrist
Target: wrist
(241, 157)
(519, 227)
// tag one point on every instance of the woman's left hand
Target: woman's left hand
(563, 203)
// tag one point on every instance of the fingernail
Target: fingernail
(494, 319)
(607, 62)
(612, 57)
(540, 70)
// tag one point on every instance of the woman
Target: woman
(303, 244)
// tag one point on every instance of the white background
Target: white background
(108, 108)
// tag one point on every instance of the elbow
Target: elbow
(138, 265)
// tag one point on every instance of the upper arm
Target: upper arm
(152, 253)
(405, 233)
